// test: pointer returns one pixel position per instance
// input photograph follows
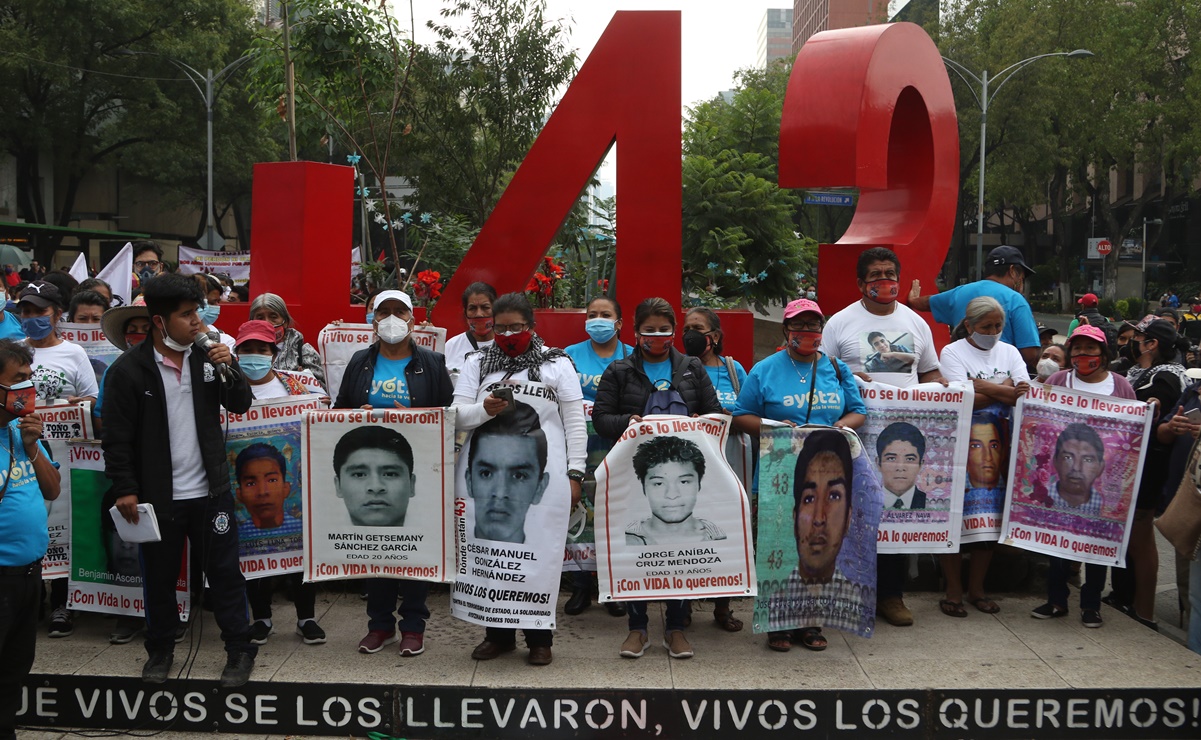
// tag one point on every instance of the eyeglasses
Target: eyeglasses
(147, 265)
(507, 328)
(807, 326)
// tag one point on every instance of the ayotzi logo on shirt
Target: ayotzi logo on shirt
(221, 523)
(209, 373)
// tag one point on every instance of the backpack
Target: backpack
(668, 402)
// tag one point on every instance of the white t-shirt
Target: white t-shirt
(273, 389)
(189, 479)
(910, 345)
(458, 347)
(961, 361)
(62, 371)
(1105, 387)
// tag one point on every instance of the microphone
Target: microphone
(205, 342)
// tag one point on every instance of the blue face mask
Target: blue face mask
(209, 313)
(37, 327)
(370, 317)
(601, 330)
(256, 367)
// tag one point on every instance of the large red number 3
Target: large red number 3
(872, 108)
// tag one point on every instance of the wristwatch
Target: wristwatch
(575, 475)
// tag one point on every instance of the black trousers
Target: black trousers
(890, 575)
(209, 524)
(508, 636)
(260, 591)
(20, 599)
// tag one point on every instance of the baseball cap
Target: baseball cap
(1160, 329)
(258, 330)
(1006, 255)
(1044, 329)
(391, 295)
(41, 294)
(1088, 300)
(800, 306)
(1088, 332)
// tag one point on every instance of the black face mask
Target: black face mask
(1130, 351)
(695, 343)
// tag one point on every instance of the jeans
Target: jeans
(1090, 589)
(260, 591)
(381, 603)
(20, 598)
(1194, 601)
(678, 611)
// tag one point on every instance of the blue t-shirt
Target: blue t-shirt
(778, 388)
(722, 384)
(659, 374)
(10, 328)
(23, 534)
(590, 366)
(388, 383)
(1021, 330)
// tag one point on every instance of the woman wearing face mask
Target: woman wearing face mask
(801, 385)
(519, 357)
(210, 310)
(591, 357)
(477, 312)
(621, 399)
(1052, 360)
(293, 353)
(998, 375)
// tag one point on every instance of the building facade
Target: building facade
(813, 16)
(775, 36)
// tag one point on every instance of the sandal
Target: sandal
(952, 608)
(727, 621)
(985, 604)
(781, 642)
(812, 638)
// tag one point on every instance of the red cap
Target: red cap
(800, 306)
(1088, 300)
(262, 331)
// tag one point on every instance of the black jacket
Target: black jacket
(426, 376)
(137, 433)
(624, 390)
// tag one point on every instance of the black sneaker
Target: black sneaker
(260, 631)
(237, 670)
(181, 631)
(61, 624)
(157, 666)
(1049, 611)
(311, 632)
(1090, 618)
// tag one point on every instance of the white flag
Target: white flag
(79, 270)
(119, 274)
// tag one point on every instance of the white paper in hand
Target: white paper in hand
(146, 530)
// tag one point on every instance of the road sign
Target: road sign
(816, 198)
(1104, 247)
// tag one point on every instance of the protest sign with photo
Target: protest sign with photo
(337, 343)
(987, 469)
(673, 519)
(101, 352)
(819, 511)
(266, 470)
(512, 501)
(918, 440)
(234, 264)
(1075, 473)
(62, 422)
(106, 573)
(580, 551)
(379, 487)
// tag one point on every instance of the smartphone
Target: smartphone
(1193, 416)
(507, 394)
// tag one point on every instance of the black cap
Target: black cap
(1006, 255)
(41, 294)
(1044, 329)
(1160, 329)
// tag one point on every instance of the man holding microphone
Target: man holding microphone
(163, 445)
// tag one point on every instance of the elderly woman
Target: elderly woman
(998, 375)
(294, 354)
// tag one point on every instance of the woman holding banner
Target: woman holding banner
(294, 354)
(497, 473)
(801, 385)
(999, 377)
(1089, 355)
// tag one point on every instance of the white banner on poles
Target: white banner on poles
(101, 352)
(234, 264)
(337, 343)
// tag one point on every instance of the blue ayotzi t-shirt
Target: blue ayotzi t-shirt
(720, 376)
(659, 374)
(23, 534)
(778, 388)
(590, 366)
(388, 383)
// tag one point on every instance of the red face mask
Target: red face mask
(514, 344)
(280, 331)
(882, 291)
(480, 326)
(655, 345)
(804, 342)
(1086, 364)
(133, 340)
(20, 399)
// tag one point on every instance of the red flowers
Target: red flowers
(427, 287)
(542, 284)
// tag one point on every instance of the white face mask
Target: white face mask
(985, 341)
(392, 330)
(171, 343)
(1047, 367)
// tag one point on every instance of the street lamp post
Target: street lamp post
(983, 98)
(1146, 222)
(211, 240)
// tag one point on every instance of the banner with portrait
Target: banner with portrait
(819, 511)
(918, 439)
(674, 519)
(266, 470)
(101, 352)
(379, 487)
(106, 572)
(337, 343)
(1075, 473)
(987, 470)
(62, 422)
(512, 501)
(234, 264)
(580, 552)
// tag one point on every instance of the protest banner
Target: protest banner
(61, 422)
(337, 343)
(378, 493)
(106, 573)
(580, 552)
(1074, 474)
(819, 511)
(101, 352)
(266, 476)
(918, 439)
(987, 467)
(510, 480)
(674, 520)
(234, 264)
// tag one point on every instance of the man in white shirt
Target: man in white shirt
(878, 332)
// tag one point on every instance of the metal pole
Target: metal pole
(1144, 250)
(210, 228)
(980, 203)
(289, 81)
